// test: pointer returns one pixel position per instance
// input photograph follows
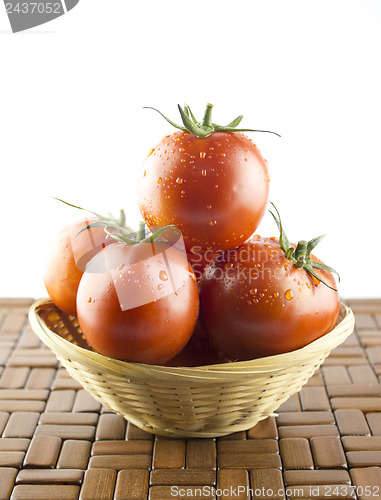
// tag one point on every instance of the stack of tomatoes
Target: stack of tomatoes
(200, 287)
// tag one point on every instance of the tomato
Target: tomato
(198, 260)
(256, 302)
(138, 302)
(213, 188)
(197, 352)
(66, 260)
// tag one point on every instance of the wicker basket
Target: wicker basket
(207, 401)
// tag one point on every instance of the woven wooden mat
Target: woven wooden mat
(57, 442)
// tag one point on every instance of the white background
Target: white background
(72, 123)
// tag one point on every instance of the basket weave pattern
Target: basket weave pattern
(208, 401)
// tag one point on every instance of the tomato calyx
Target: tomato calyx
(137, 237)
(124, 233)
(206, 126)
(300, 255)
(103, 220)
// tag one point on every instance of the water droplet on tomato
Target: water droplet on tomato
(89, 299)
(289, 294)
(151, 151)
(209, 207)
(179, 180)
(308, 285)
(315, 280)
(163, 275)
(253, 291)
(202, 154)
(159, 287)
(159, 180)
(213, 222)
(203, 172)
(144, 173)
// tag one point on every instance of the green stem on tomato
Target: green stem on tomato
(207, 120)
(124, 233)
(142, 231)
(206, 126)
(120, 222)
(301, 255)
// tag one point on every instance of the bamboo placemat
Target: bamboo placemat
(57, 442)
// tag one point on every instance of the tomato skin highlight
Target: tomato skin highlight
(214, 189)
(64, 265)
(254, 302)
(117, 281)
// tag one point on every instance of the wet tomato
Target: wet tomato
(214, 187)
(66, 260)
(198, 260)
(256, 301)
(138, 302)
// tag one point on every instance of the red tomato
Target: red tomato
(255, 302)
(214, 188)
(198, 260)
(138, 302)
(66, 260)
(197, 352)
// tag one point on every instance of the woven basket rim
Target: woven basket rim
(267, 364)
